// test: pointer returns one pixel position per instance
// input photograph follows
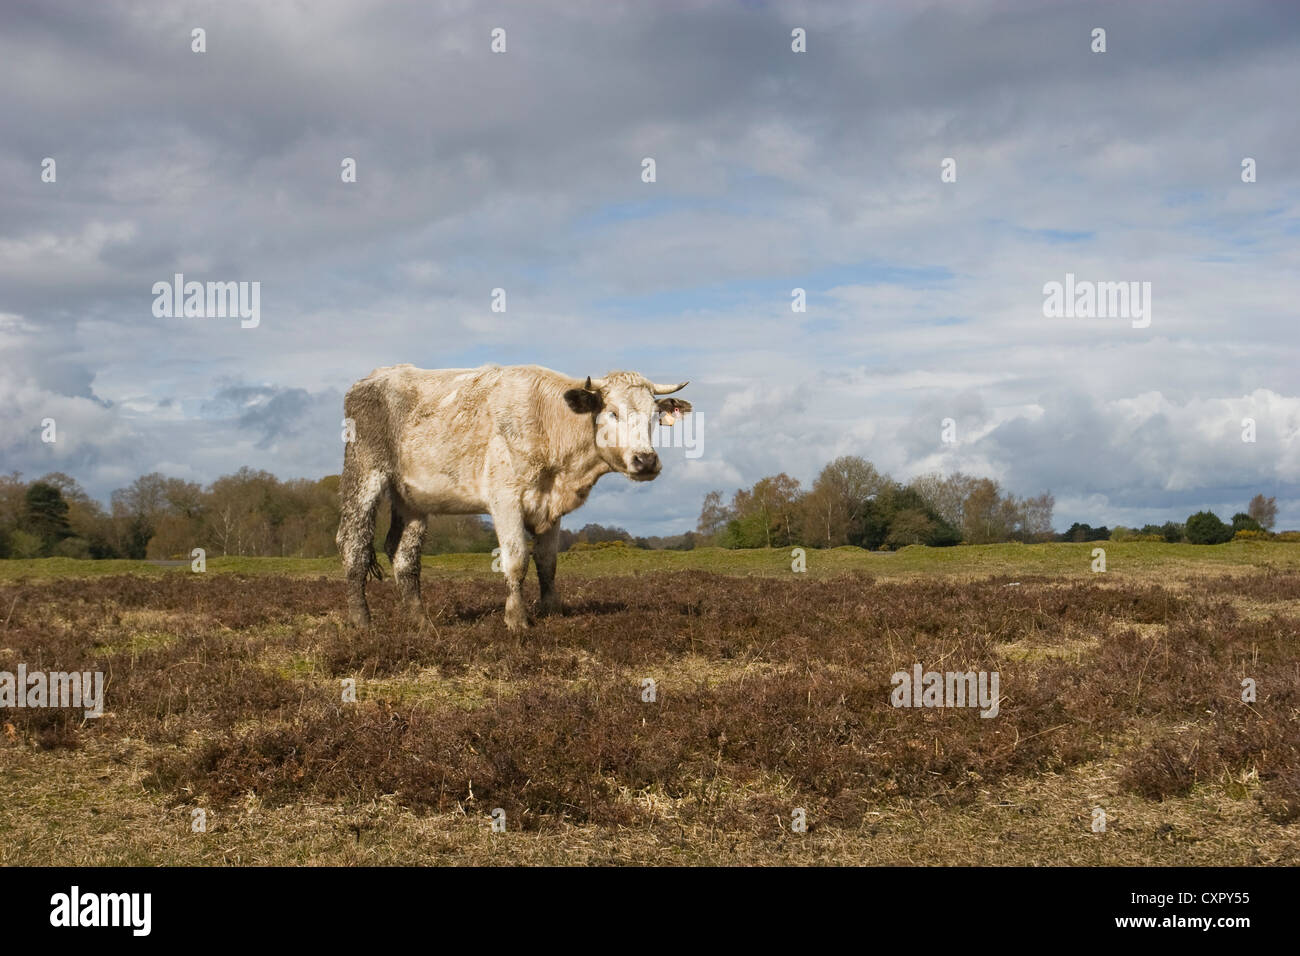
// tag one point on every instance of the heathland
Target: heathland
(687, 707)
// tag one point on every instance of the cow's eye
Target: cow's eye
(613, 415)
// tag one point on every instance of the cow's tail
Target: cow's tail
(374, 570)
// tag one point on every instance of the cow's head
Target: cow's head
(624, 408)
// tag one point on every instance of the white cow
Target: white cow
(521, 443)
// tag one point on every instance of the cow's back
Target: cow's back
(428, 431)
(398, 403)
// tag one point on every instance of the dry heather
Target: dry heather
(224, 693)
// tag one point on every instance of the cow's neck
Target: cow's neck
(564, 486)
(574, 485)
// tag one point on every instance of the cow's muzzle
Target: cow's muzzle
(645, 466)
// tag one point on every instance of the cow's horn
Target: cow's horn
(667, 389)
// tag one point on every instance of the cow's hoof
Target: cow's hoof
(359, 618)
(549, 607)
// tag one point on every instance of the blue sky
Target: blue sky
(775, 170)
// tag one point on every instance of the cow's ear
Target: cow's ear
(670, 408)
(584, 401)
(673, 406)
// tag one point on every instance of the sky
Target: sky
(774, 170)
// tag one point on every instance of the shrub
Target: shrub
(1085, 532)
(1244, 522)
(72, 548)
(900, 516)
(600, 546)
(1287, 536)
(1247, 535)
(750, 531)
(1170, 531)
(23, 544)
(909, 526)
(1204, 527)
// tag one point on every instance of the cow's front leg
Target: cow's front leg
(509, 522)
(545, 551)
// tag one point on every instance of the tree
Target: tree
(457, 533)
(1204, 527)
(1244, 522)
(899, 516)
(1264, 511)
(243, 513)
(1085, 532)
(946, 494)
(1036, 521)
(776, 499)
(13, 501)
(749, 530)
(909, 526)
(90, 525)
(23, 544)
(136, 511)
(714, 515)
(46, 515)
(832, 511)
(764, 515)
(984, 517)
(598, 533)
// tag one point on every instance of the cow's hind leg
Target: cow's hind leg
(359, 500)
(405, 541)
(545, 554)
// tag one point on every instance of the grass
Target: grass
(1120, 690)
(1123, 559)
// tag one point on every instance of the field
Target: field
(1119, 690)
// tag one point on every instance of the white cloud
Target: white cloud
(523, 171)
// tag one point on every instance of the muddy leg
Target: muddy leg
(545, 554)
(356, 536)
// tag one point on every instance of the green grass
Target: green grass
(1123, 559)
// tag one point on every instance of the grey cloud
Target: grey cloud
(477, 171)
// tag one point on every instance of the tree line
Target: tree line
(254, 513)
(1204, 527)
(851, 502)
(249, 513)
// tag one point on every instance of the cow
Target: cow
(521, 443)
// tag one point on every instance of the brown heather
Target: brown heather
(771, 693)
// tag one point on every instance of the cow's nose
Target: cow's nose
(645, 461)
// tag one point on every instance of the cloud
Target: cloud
(775, 170)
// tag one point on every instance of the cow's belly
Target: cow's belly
(435, 493)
